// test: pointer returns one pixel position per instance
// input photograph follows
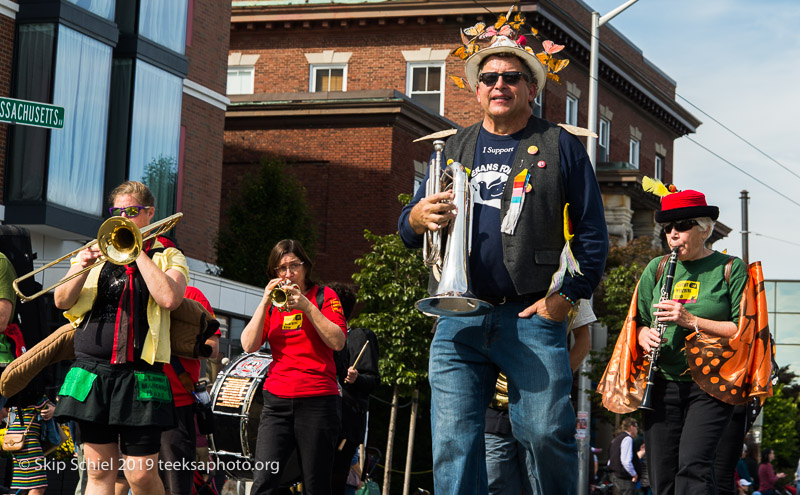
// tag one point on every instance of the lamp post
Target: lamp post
(584, 405)
(597, 21)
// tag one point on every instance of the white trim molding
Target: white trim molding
(425, 55)
(9, 8)
(237, 59)
(328, 57)
(206, 95)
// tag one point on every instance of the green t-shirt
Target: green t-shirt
(7, 276)
(700, 286)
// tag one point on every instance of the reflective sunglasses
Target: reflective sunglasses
(681, 226)
(510, 78)
(130, 211)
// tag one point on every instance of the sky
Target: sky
(739, 63)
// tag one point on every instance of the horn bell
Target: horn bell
(120, 240)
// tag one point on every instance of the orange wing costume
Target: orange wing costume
(732, 369)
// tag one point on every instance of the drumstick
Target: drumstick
(360, 354)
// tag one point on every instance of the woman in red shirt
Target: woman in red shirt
(766, 474)
(301, 396)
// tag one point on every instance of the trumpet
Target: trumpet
(120, 241)
(280, 295)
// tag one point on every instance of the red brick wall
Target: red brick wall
(355, 190)
(208, 52)
(205, 124)
(6, 57)
(202, 177)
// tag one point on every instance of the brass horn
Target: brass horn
(446, 251)
(120, 241)
(280, 295)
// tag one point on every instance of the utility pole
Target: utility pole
(745, 229)
(584, 404)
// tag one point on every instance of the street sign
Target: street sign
(31, 113)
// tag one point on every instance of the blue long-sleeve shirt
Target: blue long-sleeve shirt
(590, 245)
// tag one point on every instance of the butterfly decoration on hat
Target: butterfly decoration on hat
(507, 30)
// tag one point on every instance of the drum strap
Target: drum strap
(183, 375)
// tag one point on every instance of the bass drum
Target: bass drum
(236, 401)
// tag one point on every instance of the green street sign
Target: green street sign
(31, 113)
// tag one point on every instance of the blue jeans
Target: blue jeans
(466, 354)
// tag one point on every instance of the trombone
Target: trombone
(120, 241)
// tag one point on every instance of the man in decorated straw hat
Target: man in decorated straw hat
(524, 172)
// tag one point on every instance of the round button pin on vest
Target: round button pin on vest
(541, 164)
(532, 150)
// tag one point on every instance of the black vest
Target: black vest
(614, 461)
(531, 255)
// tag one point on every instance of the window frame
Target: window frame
(604, 139)
(251, 78)
(634, 150)
(538, 105)
(410, 66)
(658, 167)
(312, 79)
(571, 110)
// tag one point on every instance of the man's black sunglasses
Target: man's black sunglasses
(510, 78)
(681, 226)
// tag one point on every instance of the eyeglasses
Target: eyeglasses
(681, 226)
(130, 211)
(292, 267)
(510, 78)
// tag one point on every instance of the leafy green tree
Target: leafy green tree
(781, 418)
(391, 280)
(269, 206)
(161, 177)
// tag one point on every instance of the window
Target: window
(658, 171)
(603, 138)
(78, 152)
(328, 78)
(164, 22)
(240, 80)
(634, 153)
(538, 105)
(64, 167)
(425, 83)
(103, 8)
(420, 169)
(572, 110)
(155, 134)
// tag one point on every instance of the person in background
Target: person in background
(357, 383)
(11, 342)
(622, 460)
(766, 473)
(116, 390)
(301, 397)
(178, 445)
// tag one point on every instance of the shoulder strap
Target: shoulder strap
(661, 265)
(728, 268)
(320, 296)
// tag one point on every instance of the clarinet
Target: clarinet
(666, 289)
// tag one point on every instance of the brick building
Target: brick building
(340, 90)
(143, 88)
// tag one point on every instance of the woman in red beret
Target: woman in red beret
(683, 429)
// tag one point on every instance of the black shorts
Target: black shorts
(133, 440)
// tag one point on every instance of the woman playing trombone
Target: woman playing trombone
(116, 391)
(301, 396)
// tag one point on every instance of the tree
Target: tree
(270, 206)
(780, 426)
(391, 280)
(161, 177)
